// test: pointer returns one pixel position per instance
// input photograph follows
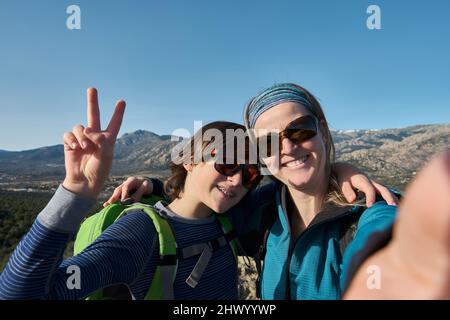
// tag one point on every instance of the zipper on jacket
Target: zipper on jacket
(294, 244)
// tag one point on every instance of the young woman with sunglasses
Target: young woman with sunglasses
(128, 251)
(304, 256)
(389, 258)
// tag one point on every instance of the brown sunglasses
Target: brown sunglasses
(250, 172)
(297, 131)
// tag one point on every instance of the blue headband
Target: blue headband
(275, 95)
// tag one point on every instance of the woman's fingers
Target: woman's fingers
(132, 183)
(348, 192)
(143, 189)
(387, 195)
(93, 111)
(97, 137)
(122, 192)
(370, 189)
(83, 141)
(115, 196)
(92, 134)
(84, 137)
(70, 141)
(362, 183)
(92, 162)
(116, 120)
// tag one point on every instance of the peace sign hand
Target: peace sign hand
(88, 151)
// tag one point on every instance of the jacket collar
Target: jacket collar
(328, 213)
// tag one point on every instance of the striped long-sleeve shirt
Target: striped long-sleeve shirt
(125, 253)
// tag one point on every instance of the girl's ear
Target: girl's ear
(188, 166)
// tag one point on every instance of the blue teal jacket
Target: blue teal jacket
(311, 266)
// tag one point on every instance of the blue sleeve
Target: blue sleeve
(36, 271)
(246, 214)
(374, 225)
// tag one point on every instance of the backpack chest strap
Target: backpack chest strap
(206, 251)
(200, 266)
(214, 244)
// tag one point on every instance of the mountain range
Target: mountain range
(391, 156)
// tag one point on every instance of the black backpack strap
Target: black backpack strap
(117, 292)
(205, 251)
(251, 241)
(214, 244)
(267, 220)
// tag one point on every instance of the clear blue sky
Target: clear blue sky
(179, 61)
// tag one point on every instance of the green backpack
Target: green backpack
(162, 283)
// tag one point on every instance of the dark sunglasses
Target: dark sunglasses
(297, 131)
(250, 172)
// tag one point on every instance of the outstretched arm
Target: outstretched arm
(35, 269)
(415, 263)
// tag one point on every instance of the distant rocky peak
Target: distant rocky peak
(137, 136)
